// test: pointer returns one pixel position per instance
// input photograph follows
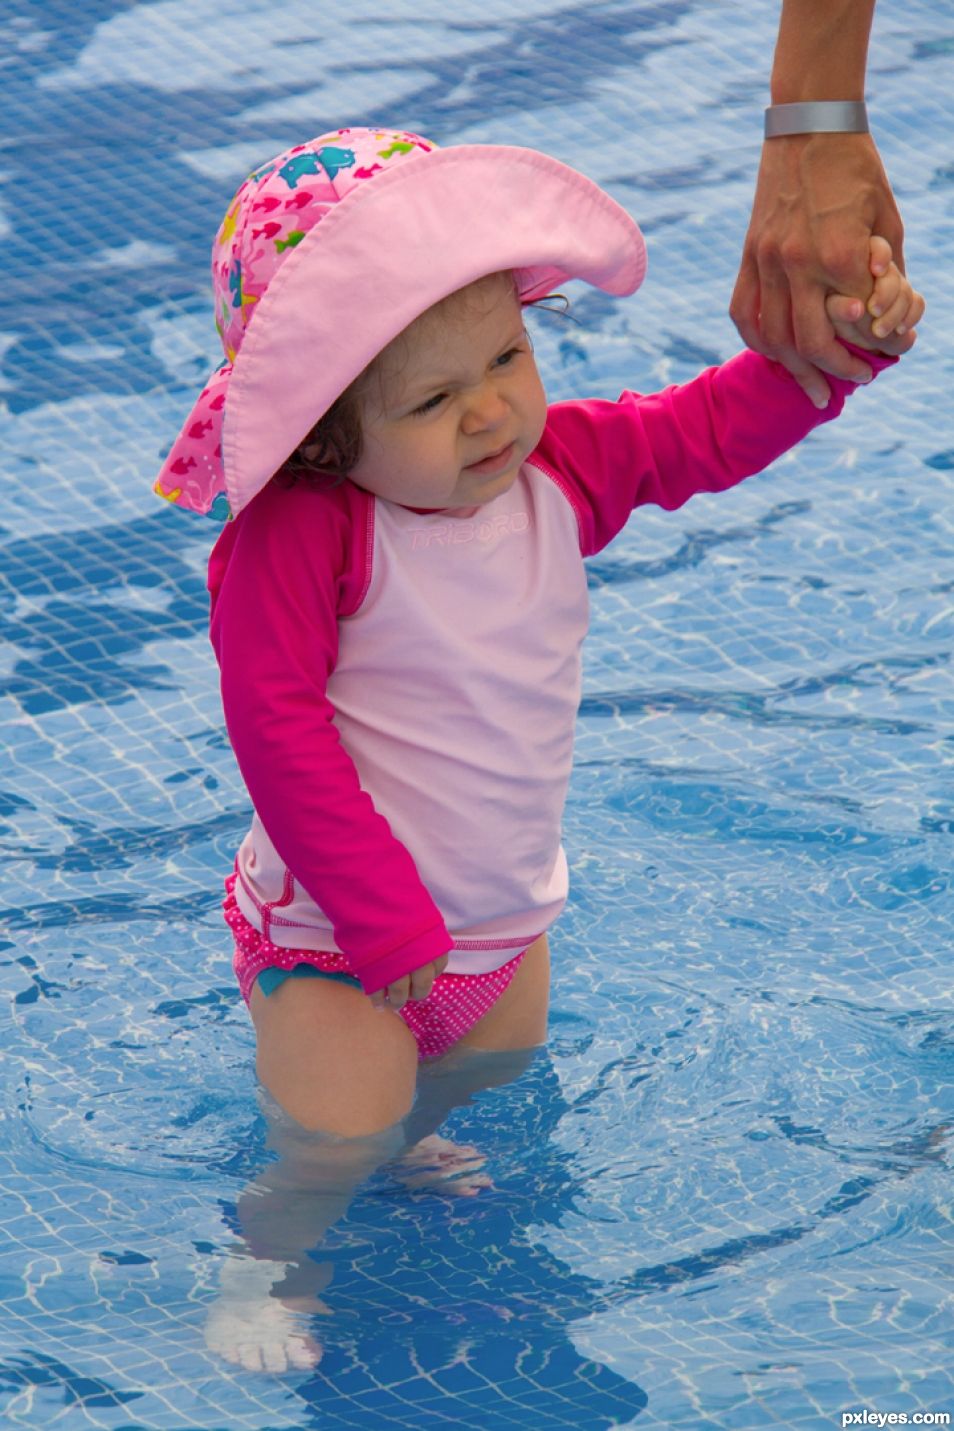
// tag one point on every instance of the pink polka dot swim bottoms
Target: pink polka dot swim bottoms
(451, 1009)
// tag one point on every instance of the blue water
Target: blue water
(721, 1195)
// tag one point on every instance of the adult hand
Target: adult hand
(818, 200)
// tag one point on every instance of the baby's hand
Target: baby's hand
(893, 308)
(416, 985)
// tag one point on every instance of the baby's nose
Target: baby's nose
(487, 409)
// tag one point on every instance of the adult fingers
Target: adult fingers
(744, 307)
(777, 334)
(888, 222)
(814, 337)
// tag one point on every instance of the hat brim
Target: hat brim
(192, 474)
(382, 256)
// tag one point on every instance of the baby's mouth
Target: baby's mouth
(496, 461)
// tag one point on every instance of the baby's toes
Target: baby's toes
(263, 1337)
(445, 1167)
(467, 1184)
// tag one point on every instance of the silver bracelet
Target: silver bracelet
(817, 116)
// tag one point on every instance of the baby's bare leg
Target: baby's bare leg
(339, 1077)
(346, 1074)
(497, 1050)
(333, 1062)
(338, 1065)
(519, 1017)
(270, 1284)
(343, 1077)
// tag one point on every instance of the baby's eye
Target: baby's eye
(504, 360)
(429, 404)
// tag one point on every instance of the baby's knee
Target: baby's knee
(321, 1161)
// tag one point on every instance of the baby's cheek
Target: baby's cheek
(539, 413)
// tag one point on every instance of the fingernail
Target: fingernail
(900, 328)
(877, 308)
(820, 402)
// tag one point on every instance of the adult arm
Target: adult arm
(818, 200)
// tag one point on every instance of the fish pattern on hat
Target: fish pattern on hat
(268, 217)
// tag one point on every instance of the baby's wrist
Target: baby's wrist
(874, 357)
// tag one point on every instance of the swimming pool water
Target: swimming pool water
(721, 1195)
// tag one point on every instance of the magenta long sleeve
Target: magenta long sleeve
(702, 436)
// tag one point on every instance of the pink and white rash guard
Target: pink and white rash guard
(401, 686)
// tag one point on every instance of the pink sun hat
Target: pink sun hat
(316, 268)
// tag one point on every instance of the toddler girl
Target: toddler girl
(399, 599)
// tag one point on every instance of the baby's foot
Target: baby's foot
(251, 1329)
(443, 1167)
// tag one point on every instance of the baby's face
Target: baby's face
(455, 403)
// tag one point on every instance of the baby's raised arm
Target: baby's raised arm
(894, 308)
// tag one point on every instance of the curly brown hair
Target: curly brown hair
(333, 447)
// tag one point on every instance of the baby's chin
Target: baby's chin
(484, 491)
(463, 500)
